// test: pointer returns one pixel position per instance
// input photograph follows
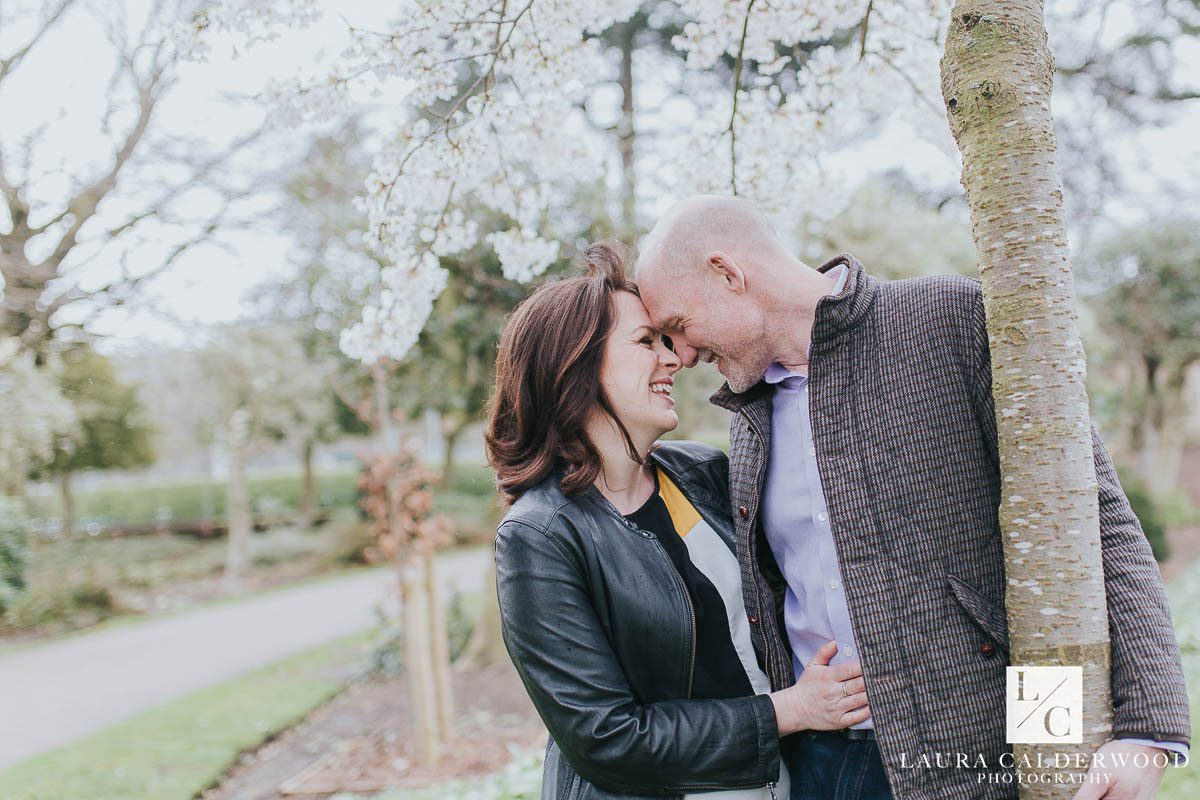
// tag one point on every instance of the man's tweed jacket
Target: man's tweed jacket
(905, 436)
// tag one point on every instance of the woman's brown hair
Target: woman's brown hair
(548, 379)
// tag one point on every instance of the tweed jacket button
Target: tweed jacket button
(743, 512)
(988, 649)
(752, 619)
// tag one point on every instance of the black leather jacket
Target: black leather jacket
(599, 625)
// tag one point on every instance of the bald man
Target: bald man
(864, 483)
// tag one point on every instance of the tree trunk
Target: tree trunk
(996, 78)
(417, 603)
(451, 433)
(308, 486)
(418, 659)
(1158, 438)
(68, 504)
(237, 559)
(439, 649)
(626, 133)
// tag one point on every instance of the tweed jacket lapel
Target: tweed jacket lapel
(749, 445)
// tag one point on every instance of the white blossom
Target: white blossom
(523, 254)
(511, 141)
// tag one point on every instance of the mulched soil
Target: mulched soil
(360, 741)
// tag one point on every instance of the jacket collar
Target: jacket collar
(835, 314)
(701, 499)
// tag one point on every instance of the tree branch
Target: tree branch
(737, 80)
(8, 64)
(862, 36)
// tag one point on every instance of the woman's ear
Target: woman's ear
(728, 270)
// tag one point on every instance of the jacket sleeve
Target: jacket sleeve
(564, 658)
(1148, 690)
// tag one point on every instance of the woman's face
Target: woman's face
(638, 372)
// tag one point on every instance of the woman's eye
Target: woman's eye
(646, 340)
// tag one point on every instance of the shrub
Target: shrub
(348, 538)
(387, 650)
(14, 551)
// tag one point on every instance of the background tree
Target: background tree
(35, 415)
(997, 77)
(150, 199)
(263, 397)
(14, 550)
(110, 431)
(1146, 284)
(898, 232)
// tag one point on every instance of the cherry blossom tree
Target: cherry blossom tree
(497, 93)
(495, 90)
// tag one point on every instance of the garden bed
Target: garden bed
(360, 742)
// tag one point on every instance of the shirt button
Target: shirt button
(835, 585)
(849, 651)
(812, 451)
(822, 516)
(743, 512)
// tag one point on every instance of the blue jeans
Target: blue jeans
(827, 766)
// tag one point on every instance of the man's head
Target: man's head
(708, 273)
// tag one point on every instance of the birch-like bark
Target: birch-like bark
(439, 649)
(997, 75)
(418, 660)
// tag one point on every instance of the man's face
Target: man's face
(708, 323)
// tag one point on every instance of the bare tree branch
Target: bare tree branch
(9, 63)
(862, 35)
(737, 80)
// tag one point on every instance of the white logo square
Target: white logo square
(1044, 705)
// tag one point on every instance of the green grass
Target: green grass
(76, 583)
(174, 751)
(147, 502)
(79, 582)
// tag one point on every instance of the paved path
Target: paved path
(53, 693)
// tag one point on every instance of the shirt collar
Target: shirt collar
(776, 372)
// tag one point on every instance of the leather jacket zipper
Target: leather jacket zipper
(718, 786)
(691, 611)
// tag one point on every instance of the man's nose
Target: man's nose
(687, 355)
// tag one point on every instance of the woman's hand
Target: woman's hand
(825, 698)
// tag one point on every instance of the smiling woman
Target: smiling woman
(620, 592)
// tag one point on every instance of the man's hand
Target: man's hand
(1126, 781)
(825, 698)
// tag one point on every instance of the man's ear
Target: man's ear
(728, 270)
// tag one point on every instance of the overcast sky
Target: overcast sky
(64, 83)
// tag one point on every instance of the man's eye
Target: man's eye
(666, 340)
